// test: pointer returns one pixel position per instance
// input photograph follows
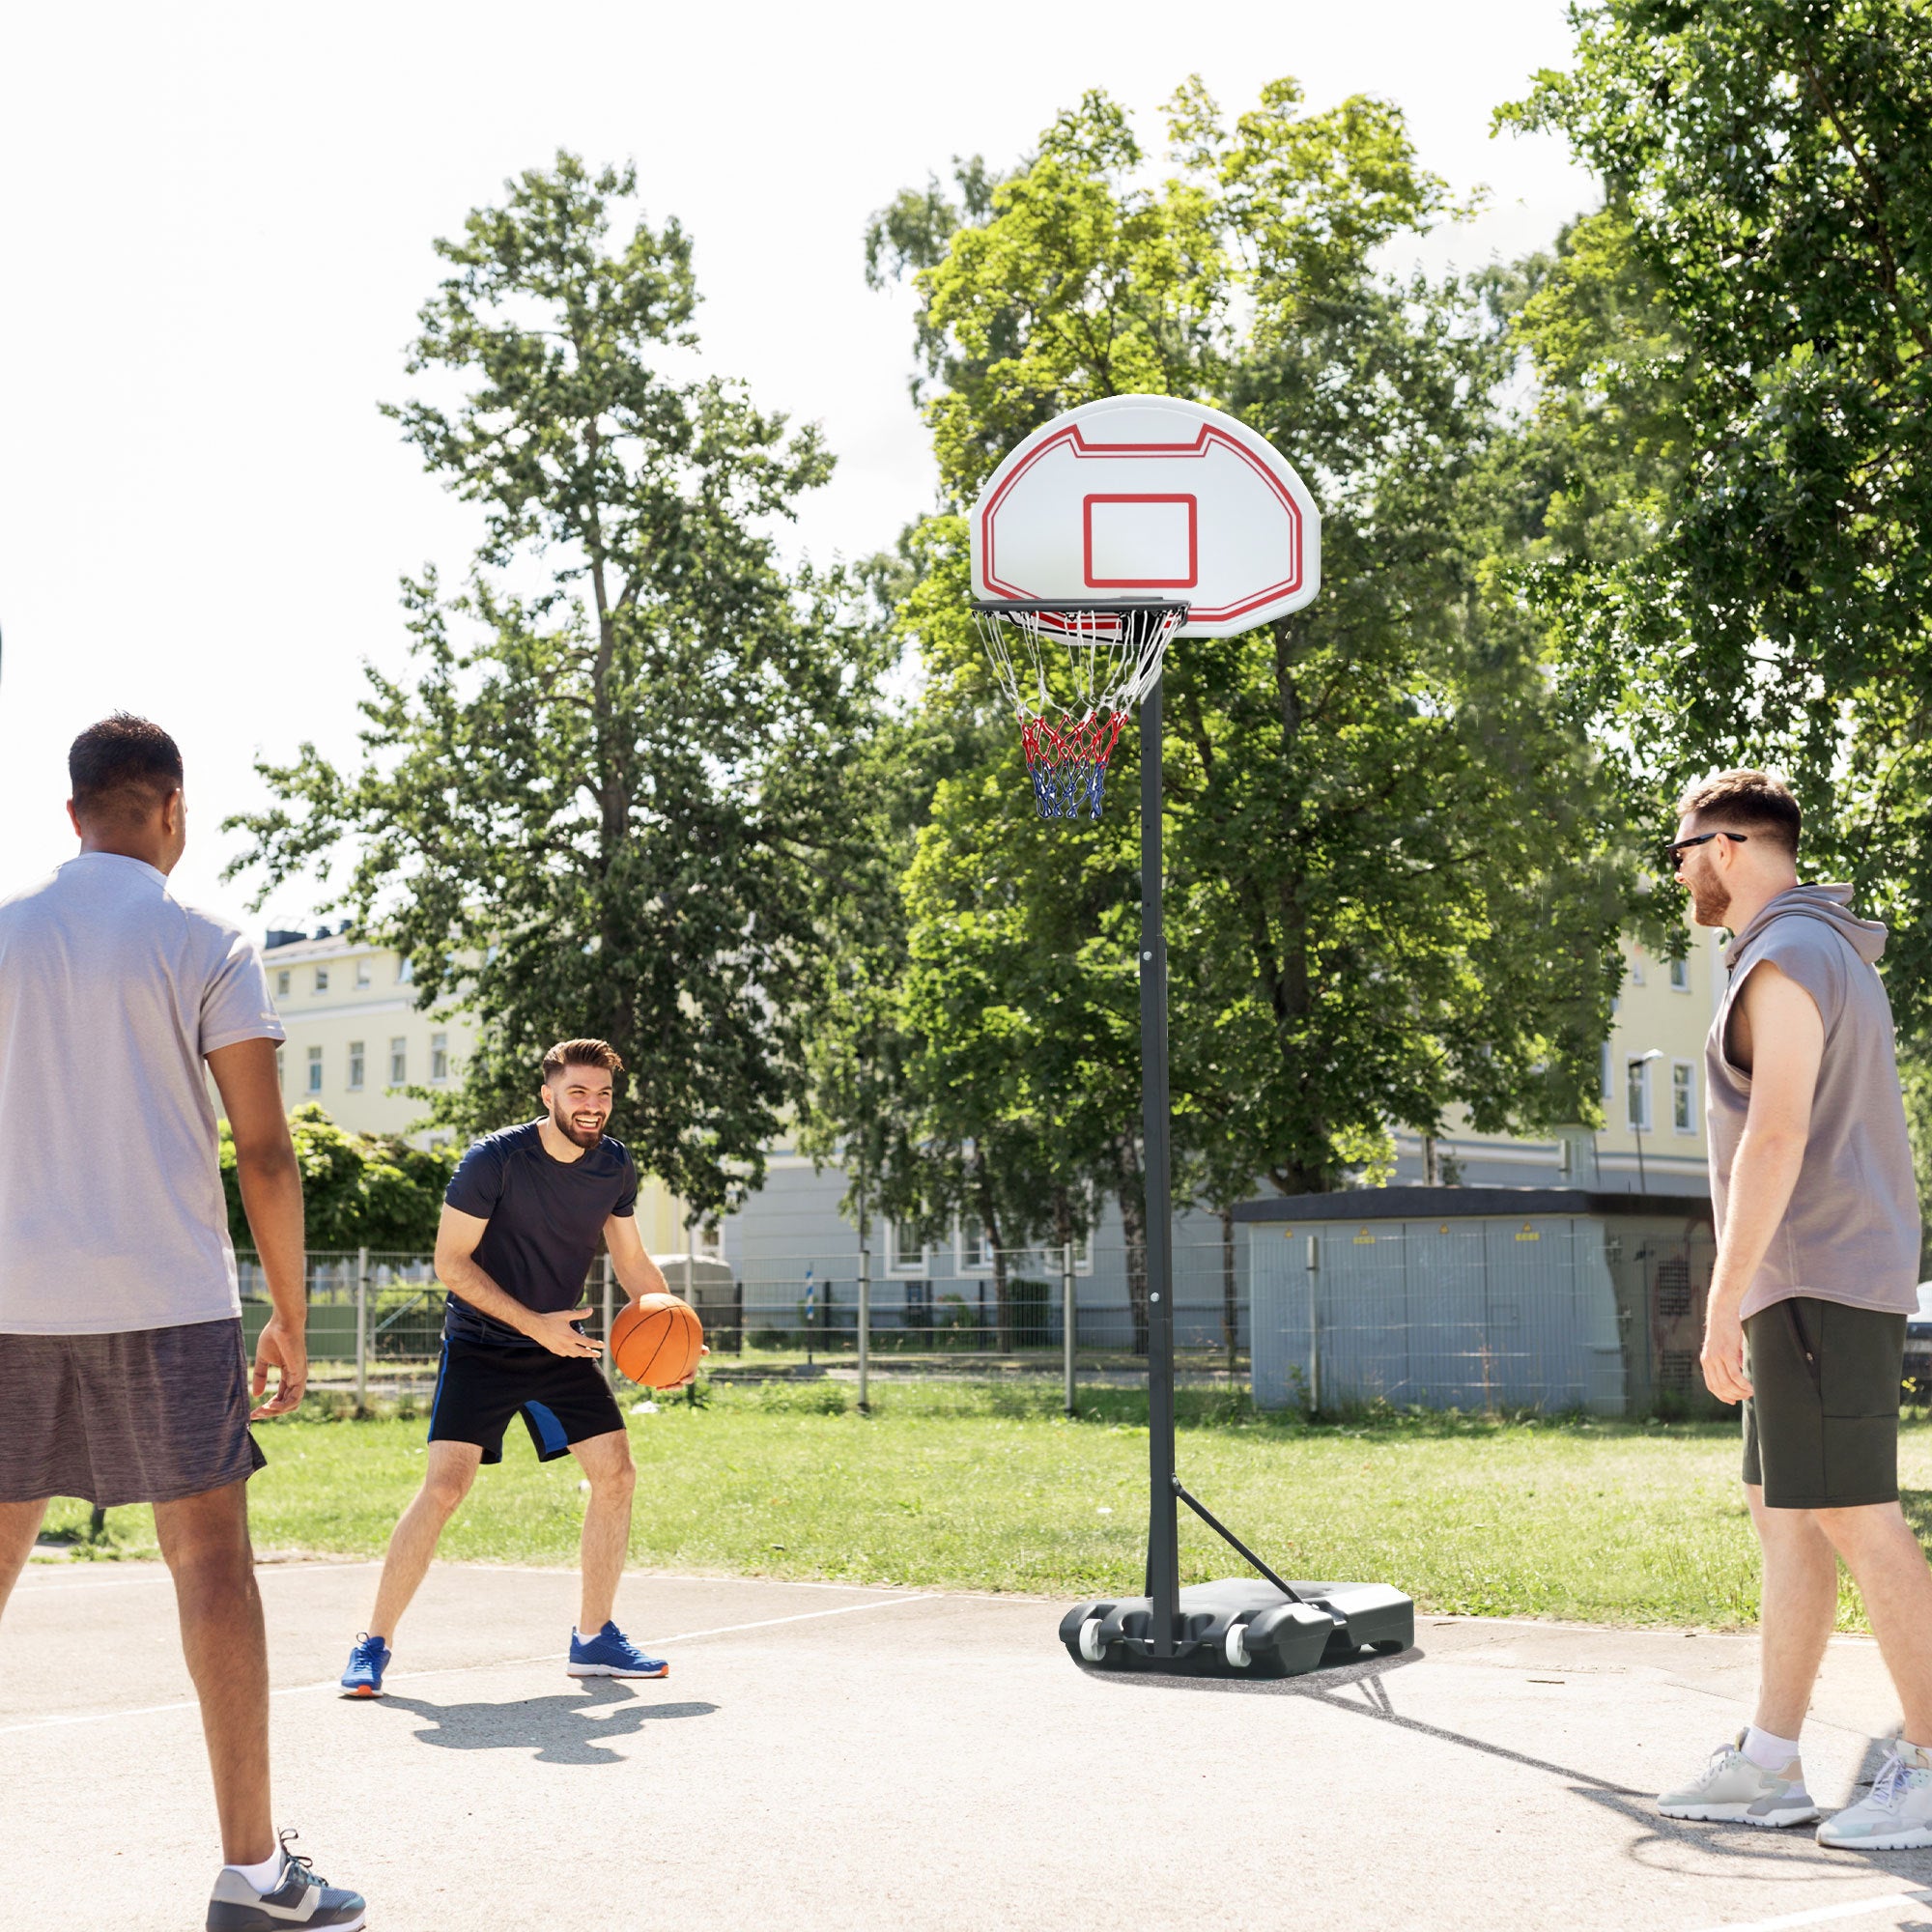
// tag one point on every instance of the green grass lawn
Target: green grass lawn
(988, 1488)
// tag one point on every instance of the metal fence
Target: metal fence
(374, 1318)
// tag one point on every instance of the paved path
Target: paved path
(827, 1757)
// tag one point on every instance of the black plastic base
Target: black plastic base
(1243, 1628)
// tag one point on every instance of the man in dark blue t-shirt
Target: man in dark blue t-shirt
(521, 1223)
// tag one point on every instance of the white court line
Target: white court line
(1819, 1915)
(458, 1670)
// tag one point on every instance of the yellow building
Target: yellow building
(358, 1040)
(1650, 1071)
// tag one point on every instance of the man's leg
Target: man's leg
(606, 1525)
(449, 1470)
(20, 1525)
(1891, 1574)
(205, 1541)
(1799, 1608)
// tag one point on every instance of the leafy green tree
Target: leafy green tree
(358, 1190)
(608, 801)
(1391, 885)
(1767, 165)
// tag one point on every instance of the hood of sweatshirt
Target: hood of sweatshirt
(1830, 903)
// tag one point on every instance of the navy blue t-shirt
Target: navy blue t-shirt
(546, 1217)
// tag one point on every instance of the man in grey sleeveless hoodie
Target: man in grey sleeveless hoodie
(1818, 1243)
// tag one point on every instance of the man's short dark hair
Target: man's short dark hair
(123, 768)
(581, 1053)
(1754, 802)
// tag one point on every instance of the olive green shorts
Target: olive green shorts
(1821, 1427)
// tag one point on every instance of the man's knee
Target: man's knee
(443, 1489)
(611, 1469)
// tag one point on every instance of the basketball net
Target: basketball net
(1073, 674)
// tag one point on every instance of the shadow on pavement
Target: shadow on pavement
(560, 1730)
(1363, 1689)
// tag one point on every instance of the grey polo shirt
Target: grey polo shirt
(113, 995)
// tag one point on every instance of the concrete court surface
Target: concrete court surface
(824, 1757)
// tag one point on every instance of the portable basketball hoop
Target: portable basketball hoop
(1107, 533)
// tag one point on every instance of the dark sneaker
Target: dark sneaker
(301, 1897)
(611, 1654)
(367, 1662)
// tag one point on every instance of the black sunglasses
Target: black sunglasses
(1673, 855)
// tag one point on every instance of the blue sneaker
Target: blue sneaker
(367, 1662)
(611, 1654)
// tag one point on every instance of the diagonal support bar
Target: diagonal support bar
(1235, 1543)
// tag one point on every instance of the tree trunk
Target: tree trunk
(1133, 1221)
(989, 1233)
(1230, 1311)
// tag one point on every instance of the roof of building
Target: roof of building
(1426, 1204)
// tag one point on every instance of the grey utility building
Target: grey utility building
(1479, 1297)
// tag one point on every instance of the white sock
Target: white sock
(1767, 1752)
(265, 1875)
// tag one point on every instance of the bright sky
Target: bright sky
(218, 220)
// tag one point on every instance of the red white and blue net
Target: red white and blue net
(1073, 674)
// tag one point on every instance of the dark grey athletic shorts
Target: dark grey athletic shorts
(1821, 1429)
(150, 1417)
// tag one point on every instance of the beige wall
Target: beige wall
(336, 998)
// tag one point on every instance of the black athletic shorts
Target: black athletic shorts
(1820, 1428)
(562, 1399)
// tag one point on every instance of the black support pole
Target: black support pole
(1163, 1538)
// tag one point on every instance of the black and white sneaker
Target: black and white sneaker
(298, 1898)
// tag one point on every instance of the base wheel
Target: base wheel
(1234, 1647)
(1092, 1649)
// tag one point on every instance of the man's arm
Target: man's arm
(1787, 1041)
(635, 1271)
(638, 1273)
(272, 1196)
(459, 1270)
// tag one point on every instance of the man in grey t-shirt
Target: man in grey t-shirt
(1817, 1263)
(121, 1373)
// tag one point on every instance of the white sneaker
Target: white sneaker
(1735, 1791)
(1898, 1816)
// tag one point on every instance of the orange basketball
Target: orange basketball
(656, 1340)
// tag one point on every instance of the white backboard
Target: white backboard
(1150, 496)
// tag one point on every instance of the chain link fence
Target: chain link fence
(374, 1318)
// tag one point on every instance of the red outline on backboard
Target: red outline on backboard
(1210, 435)
(1187, 582)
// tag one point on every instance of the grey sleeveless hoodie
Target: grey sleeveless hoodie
(1850, 1232)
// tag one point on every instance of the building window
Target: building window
(904, 1255)
(969, 1249)
(399, 1063)
(1605, 1081)
(1635, 968)
(1683, 1098)
(282, 979)
(438, 1058)
(364, 979)
(711, 1241)
(355, 1059)
(1637, 1095)
(315, 1070)
(1679, 975)
(322, 978)
(405, 973)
